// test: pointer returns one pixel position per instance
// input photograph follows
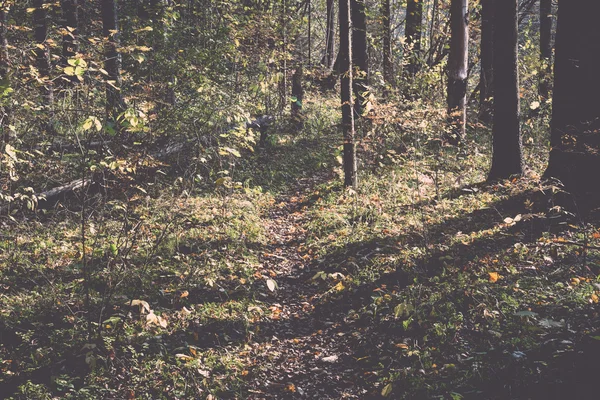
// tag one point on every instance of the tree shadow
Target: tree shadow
(330, 314)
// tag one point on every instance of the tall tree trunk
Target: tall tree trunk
(42, 54)
(349, 158)
(360, 58)
(507, 157)
(574, 135)
(71, 25)
(388, 68)
(458, 69)
(545, 47)
(297, 97)
(112, 63)
(486, 82)
(330, 35)
(433, 31)
(309, 32)
(412, 33)
(5, 109)
(283, 83)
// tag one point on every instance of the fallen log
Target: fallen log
(49, 198)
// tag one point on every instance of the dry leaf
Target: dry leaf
(143, 305)
(494, 276)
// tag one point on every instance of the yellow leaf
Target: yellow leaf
(387, 390)
(594, 298)
(184, 294)
(402, 346)
(291, 388)
(494, 276)
(339, 287)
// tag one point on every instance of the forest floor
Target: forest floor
(423, 283)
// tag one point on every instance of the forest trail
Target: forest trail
(300, 351)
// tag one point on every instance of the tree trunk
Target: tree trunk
(309, 33)
(5, 109)
(507, 157)
(360, 58)
(458, 69)
(486, 83)
(388, 68)
(575, 124)
(112, 63)
(349, 158)
(330, 35)
(283, 83)
(297, 96)
(433, 31)
(545, 47)
(71, 25)
(42, 54)
(412, 33)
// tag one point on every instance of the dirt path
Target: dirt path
(298, 352)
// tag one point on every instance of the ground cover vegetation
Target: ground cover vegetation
(309, 199)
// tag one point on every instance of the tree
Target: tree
(330, 35)
(42, 54)
(71, 26)
(349, 157)
(5, 111)
(458, 69)
(388, 69)
(486, 59)
(545, 47)
(507, 159)
(575, 127)
(297, 96)
(112, 63)
(360, 58)
(412, 33)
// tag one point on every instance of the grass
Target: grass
(424, 282)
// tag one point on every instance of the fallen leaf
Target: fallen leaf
(387, 390)
(291, 388)
(271, 284)
(494, 276)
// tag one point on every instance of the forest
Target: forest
(299, 199)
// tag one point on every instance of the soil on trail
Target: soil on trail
(305, 349)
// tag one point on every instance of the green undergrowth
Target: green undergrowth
(447, 287)
(459, 290)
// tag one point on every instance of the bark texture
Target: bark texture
(5, 109)
(412, 33)
(112, 63)
(360, 58)
(42, 53)
(575, 130)
(330, 35)
(507, 158)
(545, 47)
(345, 55)
(486, 79)
(388, 67)
(458, 69)
(297, 96)
(71, 25)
